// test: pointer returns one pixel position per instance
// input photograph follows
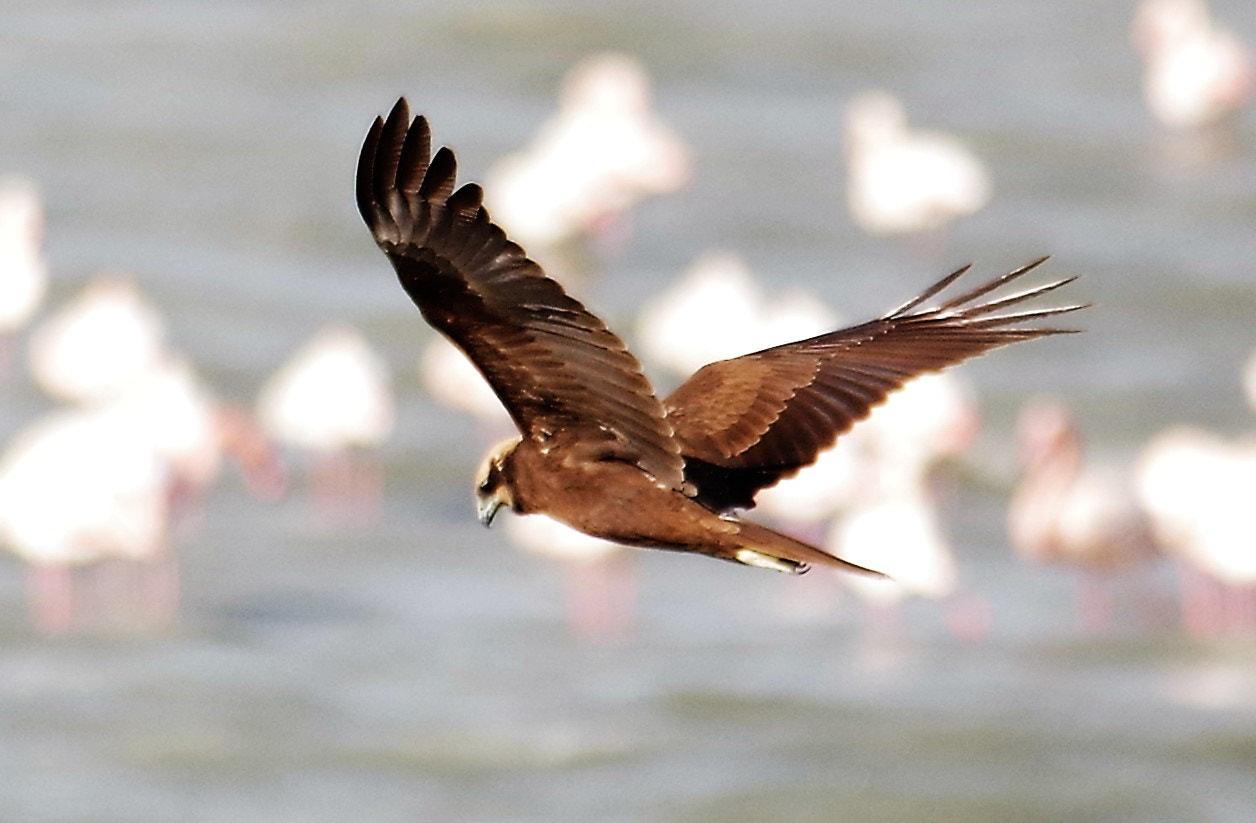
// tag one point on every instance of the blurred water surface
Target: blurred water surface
(419, 669)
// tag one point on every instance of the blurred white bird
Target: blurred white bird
(1196, 73)
(931, 419)
(1066, 511)
(906, 182)
(602, 153)
(716, 310)
(192, 431)
(805, 503)
(109, 480)
(107, 345)
(79, 488)
(333, 400)
(900, 535)
(23, 270)
(702, 316)
(99, 343)
(888, 455)
(1197, 489)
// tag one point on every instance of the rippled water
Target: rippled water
(419, 669)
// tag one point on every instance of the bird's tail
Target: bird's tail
(768, 549)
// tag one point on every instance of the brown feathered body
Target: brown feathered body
(616, 501)
(597, 449)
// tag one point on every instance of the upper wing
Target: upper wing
(743, 424)
(555, 366)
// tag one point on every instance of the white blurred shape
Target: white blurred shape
(793, 315)
(818, 492)
(81, 489)
(888, 454)
(174, 411)
(601, 154)
(81, 485)
(715, 310)
(899, 536)
(900, 181)
(1196, 73)
(702, 317)
(1197, 488)
(1065, 510)
(334, 393)
(98, 344)
(931, 418)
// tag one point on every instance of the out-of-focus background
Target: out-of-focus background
(323, 632)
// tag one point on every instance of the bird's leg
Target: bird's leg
(1239, 603)
(1202, 614)
(325, 479)
(50, 594)
(368, 485)
(346, 487)
(160, 587)
(967, 615)
(602, 594)
(1094, 603)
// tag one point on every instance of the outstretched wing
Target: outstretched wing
(743, 424)
(555, 367)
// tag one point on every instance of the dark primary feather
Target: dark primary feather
(746, 423)
(555, 367)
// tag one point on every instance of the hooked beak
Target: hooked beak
(486, 509)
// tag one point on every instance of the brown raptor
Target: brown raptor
(598, 450)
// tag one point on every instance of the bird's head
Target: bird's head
(492, 490)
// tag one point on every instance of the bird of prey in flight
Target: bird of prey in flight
(598, 450)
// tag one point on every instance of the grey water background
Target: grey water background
(420, 669)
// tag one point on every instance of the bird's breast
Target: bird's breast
(610, 499)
